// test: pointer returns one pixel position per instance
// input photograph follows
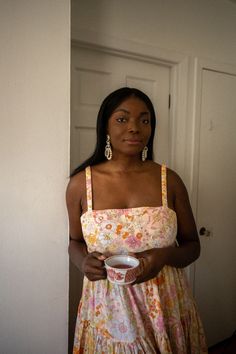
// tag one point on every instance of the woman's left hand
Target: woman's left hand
(151, 262)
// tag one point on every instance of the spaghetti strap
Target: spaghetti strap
(164, 186)
(89, 188)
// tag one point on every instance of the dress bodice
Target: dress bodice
(128, 230)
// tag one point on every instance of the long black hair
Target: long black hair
(110, 103)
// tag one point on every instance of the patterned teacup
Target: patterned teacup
(121, 269)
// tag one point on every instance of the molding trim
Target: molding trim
(120, 45)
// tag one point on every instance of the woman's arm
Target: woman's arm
(187, 236)
(152, 261)
(90, 264)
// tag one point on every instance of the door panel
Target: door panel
(215, 281)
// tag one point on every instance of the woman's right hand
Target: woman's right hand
(93, 266)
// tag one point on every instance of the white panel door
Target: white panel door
(94, 75)
(215, 273)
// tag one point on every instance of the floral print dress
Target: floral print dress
(157, 316)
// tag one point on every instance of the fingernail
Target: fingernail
(101, 258)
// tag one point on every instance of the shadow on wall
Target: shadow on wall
(75, 291)
(75, 277)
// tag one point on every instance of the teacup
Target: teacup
(121, 269)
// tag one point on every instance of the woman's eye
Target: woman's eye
(146, 121)
(121, 119)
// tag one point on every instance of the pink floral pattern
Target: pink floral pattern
(115, 275)
(158, 316)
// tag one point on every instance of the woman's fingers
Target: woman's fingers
(94, 266)
(141, 267)
(98, 255)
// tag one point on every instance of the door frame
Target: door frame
(179, 68)
(192, 160)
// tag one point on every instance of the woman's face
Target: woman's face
(129, 127)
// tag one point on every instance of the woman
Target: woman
(120, 201)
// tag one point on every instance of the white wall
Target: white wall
(203, 28)
(34, 164)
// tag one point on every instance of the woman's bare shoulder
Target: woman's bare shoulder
(172, 175)
(173, 178)
(175, 183)
(76, 186)
(153, 166)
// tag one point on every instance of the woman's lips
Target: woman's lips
(133, 141)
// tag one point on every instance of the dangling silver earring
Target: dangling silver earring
(144, 153)
(108, 150)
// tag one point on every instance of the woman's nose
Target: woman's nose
(133, 127)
